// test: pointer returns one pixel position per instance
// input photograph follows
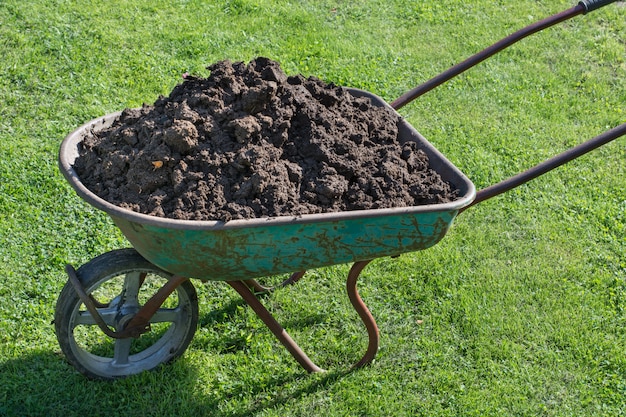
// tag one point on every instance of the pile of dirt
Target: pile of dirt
(249, 141)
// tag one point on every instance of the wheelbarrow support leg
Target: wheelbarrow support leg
(246, 293)
(246, 290)
(364, 313)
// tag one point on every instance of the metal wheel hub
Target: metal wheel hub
(123, 318)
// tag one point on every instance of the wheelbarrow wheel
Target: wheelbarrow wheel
(120, 282)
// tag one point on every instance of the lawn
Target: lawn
(521, 308)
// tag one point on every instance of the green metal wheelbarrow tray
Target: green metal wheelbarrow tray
(243, 249)
(106, 294)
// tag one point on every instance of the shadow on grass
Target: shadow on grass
(43, 384)
(233, 336)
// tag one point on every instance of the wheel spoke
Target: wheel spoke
(122, 351)
(86, 319)
(166, 315)
(132, 284)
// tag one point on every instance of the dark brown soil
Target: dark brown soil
(249, 142)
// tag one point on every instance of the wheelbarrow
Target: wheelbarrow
(130, 310)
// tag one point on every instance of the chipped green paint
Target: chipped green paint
(243, 253)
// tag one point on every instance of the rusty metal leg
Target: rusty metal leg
(262, 289)
(243, 288)
(364, 313)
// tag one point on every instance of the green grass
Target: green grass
(519, 310)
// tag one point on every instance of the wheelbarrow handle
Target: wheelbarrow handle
(549, 165)
(591, 5)
(583, 7)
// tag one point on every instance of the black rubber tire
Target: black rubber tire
(109, 278)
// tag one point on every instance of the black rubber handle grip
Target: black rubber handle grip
(591, 5)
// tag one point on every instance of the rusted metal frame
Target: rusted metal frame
(364, 313)
(486, 53)
(258, 288)
(548, 165)
(140, 323)
(245, 289)
(246, 293)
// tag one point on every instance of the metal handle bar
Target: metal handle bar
(548, 165)
(583, 7)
